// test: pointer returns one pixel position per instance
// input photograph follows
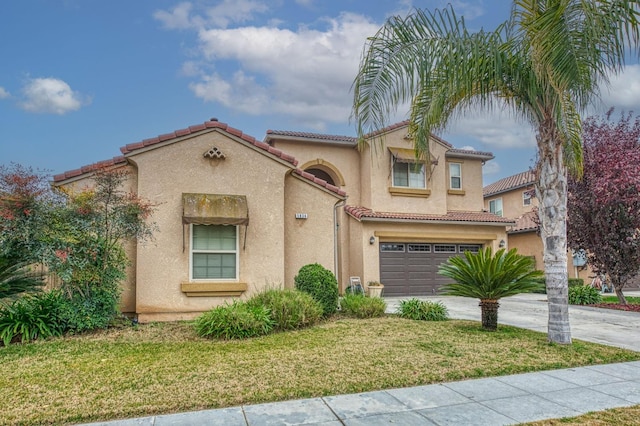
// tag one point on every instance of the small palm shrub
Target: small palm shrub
(32, 317)
(16, 278)
(422, 310)
(360, 306)
(584, 295)
(489, 278)
(238, 320)
(289, 309)
(321, 284)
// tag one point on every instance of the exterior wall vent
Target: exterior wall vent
(214, 153)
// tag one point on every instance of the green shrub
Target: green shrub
(360, 306)
(423, 310)
(94, 307)
(321, 284)
(32, 317)
(573, 282)
(584, 295)
(354, 289)
(289, 309)
(236, 321)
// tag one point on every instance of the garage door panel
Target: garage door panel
(414, 271)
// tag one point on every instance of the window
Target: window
(392, 247)
(473, 248)
(455, 175)
(214, 252)
(420, 247)
(409, 175)
(444, 248)
(526, 198)
(495, 206)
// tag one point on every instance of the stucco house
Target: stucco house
(514, 197)
(237, 215)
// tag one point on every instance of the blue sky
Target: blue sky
(81, 78)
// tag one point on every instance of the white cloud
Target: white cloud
(50, 95)
(624, 91)
(496, 129)
(3, 93)
(468, 148)
(491, 168)
(306, 73)
(227, 12)
(469, 9)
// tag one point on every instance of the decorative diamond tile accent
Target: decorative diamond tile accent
(214, 153)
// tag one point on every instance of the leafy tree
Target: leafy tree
(25, 202)
(604, 204)
(79, 236)
(545, 64)
(490, 278)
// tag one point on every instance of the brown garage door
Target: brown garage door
(411, 269)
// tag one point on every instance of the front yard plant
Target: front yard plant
(289, 309)
(584, 295)
(237, 320)
(321, 284)
(489, 278)
(422, 310)
(360, 306)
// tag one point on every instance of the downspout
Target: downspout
(339, 204)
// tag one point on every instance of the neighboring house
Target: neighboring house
(514, 197)
(237, 215)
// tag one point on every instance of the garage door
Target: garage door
(411, 269)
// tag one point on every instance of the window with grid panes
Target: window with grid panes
(214, 252)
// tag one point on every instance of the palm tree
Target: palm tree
(16, 278)
(490, 278)
(545, 64)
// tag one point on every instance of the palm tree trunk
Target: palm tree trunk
(489, 310)
(552, 211)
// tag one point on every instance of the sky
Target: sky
(81, 78)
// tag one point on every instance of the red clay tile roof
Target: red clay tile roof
(211, 124)
(115, 161)
(347, 140)
(320, 182)
(365, 213)
(512, 182)
(525, 223)
(451, 152)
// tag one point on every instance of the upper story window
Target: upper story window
(214, 252)
(455, 176)
(409, 174)
(526, 198)
(495, 206)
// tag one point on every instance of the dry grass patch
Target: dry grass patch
(165, 368)
(626, 416)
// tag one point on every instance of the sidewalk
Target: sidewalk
(489, 401)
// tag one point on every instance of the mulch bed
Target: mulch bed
(633, 308)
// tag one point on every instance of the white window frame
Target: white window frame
(526, 198)
(457, 175)
(409, 164)
(494, 210)
(236, 252)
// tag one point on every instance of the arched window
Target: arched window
(321, 174)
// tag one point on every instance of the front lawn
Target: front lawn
(166, 368)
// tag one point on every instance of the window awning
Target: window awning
(215, 209)
(405, 155)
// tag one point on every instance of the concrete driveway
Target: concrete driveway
(605, 326)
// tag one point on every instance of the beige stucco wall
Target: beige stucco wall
(84, 183)
(164, 174)
(471, 198)
(309, 240)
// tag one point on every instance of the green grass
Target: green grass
(614, 299)
(165, 368)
